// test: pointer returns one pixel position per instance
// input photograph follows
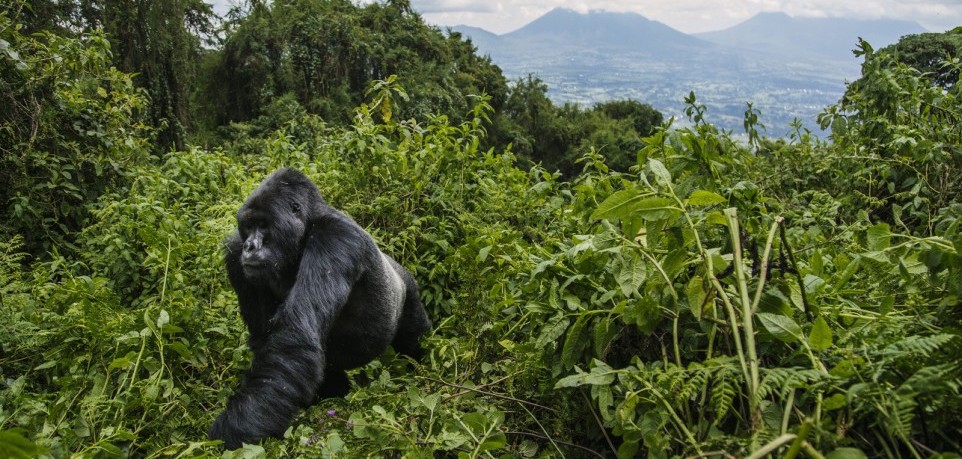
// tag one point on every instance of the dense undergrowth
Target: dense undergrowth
(720, 300)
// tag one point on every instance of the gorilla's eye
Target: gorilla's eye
(296, 207)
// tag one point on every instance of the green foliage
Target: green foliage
(15, 446)
(690, 302)
(556, 138)
(70, 128)
(936, 55)
(158, 42)
(326, 52)
(894, 156)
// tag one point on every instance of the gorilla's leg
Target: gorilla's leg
(335, 384)
(413, 323)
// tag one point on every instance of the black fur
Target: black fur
(318, 297)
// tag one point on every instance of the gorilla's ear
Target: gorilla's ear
(295, 207)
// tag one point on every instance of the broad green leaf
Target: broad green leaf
(817, 262)
(162, 319)
(181, 349)
(601, 375)
(572, 302)
(551, 332)
(879, 257)
(628, 449)
(475, 422)
(528, 448)
(820, 338)
(122, 362)
(795, 294)
(656, 209)
(847, 274)
(911, 265)
(631, 274)
(644, 312)
(704, 198)
(834, 402)
(846, 453)
(570, 381)
(483, 253)
(493, 442)
(14, 445)
(716, 218)
(879, 237)
(674, 262)
(604, 331)
(45, 365)
(781, 327)
(845, 369)
(334, 445)
(662, 176)
(813, 283)
(574, 342)
(696, 296)
(776, 301)
(618, 205)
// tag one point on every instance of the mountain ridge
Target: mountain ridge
(787, 67)
(779, 33)
(601, 29)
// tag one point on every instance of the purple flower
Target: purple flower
(331, 412)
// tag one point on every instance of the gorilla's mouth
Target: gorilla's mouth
(258, 268)
(259, 273)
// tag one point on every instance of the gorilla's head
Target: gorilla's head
(272, 224)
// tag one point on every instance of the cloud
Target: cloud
(455, 6)
(685, 15)
(690, 15)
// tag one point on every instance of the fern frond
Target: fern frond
(916, 345)
(724, 389)
(781, 380)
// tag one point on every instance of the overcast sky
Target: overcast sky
(686, 15)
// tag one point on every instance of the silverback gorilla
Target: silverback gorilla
(318, 297)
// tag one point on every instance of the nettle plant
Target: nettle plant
(699, 318)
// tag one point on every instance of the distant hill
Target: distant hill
(601, 30)
(788, 67)
(833, 38)
(561, 31)
(481, 38)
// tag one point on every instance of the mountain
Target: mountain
(562, 31)
(787, 67)
(833, 38)
(601, 30)
(481, 38)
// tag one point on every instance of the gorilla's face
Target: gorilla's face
(271, 225)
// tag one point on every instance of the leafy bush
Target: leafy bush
(70, 128)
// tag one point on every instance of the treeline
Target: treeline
(211, 79)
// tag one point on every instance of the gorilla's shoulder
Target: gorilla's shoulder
(338, 226)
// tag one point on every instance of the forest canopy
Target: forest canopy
(602, 282)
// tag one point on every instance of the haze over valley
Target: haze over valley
(787, 67)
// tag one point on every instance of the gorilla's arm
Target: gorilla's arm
(288, 366)
(256, 304)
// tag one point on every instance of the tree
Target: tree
(70, 128)
(930, 54)
(532, 124)
(159, 42)
(326, 53)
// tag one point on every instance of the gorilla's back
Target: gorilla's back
(366, 325)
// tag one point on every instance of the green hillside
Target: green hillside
(599, 287)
